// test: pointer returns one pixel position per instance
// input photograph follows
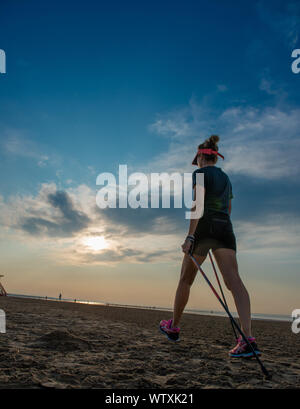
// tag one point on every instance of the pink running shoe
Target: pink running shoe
(243, 350)
(171, 333)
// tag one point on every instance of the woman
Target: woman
(212, 231)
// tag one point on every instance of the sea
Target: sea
(255, 316)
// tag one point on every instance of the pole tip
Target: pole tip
(268, 376)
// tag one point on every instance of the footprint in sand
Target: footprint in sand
(63, 341)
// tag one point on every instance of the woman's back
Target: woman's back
(218, 190)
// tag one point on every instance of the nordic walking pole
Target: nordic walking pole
(221, 289)
(264, 370)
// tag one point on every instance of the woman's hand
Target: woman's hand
(188, 244)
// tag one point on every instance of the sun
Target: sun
(95, 243)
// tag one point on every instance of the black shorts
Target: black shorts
(214, 232)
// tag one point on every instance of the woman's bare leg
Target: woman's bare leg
(226, 260)
(187, 276)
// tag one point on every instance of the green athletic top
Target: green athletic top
(218, 189)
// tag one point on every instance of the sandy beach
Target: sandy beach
(51, 344)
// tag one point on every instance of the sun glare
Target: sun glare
(95, 242)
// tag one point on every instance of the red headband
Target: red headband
(209, 152)
(206, 151)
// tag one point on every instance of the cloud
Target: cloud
(181, 123)
(273, 88)
(51, 213)
(120, 255)
(175, 126)
(259, 143)
(66, 223)
(277, 236)
(222, 88)
(262, 143)
(62, 201)
(266, 85)
(60, 221)
(14, 144)
(141, 221)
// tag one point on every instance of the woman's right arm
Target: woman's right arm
(189, 241)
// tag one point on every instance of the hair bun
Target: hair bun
(214, 139)
(210, 143)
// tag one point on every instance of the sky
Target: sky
(92, 85)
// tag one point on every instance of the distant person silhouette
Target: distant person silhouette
(59, 297)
